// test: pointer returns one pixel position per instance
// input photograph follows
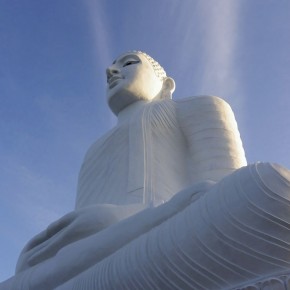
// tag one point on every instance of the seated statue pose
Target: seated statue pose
(165, 200)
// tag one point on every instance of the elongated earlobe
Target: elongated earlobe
(168, 88)
(170, 84)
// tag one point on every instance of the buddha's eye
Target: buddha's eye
(129, 62)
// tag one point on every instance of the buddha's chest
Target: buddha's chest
(139, 161)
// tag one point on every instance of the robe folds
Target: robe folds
(235, 233)
(165, 200)
(164, 147)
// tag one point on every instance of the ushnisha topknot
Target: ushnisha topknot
(158, 69)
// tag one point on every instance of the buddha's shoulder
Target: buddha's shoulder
(202, 100)
(201, 103)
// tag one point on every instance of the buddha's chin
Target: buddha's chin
(119, 102)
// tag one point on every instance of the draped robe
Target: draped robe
(162, 148)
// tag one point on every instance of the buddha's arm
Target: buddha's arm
(211, 131)
(72, 227)
(78, 256)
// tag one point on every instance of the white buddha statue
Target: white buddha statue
(159, 146)
(164, 200)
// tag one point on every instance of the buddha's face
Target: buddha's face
(131, 78)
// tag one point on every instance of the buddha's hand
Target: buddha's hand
(74, 226)
(190, 194)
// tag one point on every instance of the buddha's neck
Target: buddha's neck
(129, 111)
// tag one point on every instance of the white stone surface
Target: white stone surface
(161, 201)
(238, 231)
(160, 148)
(211, 236)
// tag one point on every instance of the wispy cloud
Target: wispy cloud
(100, 25)
(221, 44)
(98, 18)
(208, 45)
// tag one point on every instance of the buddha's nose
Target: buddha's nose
(110, 71)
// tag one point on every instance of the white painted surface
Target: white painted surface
(161, 201)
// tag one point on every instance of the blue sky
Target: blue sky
(53, 56)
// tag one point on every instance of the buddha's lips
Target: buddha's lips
(113, 80)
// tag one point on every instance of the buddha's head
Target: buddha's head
(135, 76)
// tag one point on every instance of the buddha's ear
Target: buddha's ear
(168, 88)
